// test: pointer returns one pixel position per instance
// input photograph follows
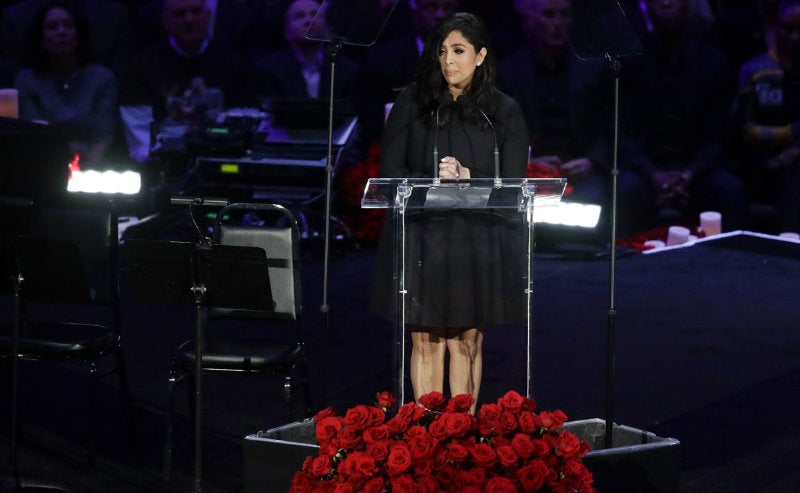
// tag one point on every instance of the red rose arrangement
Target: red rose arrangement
(537, 169)
(364, 224)
(437, 446)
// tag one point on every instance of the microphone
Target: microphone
(464, 99)
(444, 98)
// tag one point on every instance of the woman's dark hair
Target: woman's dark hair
(429, 80)
(37, 58)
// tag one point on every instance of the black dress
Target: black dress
(464, 268)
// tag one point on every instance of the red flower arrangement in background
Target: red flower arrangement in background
(439, 447)
(365, 225)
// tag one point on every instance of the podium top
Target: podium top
(476, 193)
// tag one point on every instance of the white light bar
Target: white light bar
(569, 214)
(109, 182)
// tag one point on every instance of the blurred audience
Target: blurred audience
(61, 86)
(303, 68)
(184, 78)
(109, 33)
(677, 100)
(248, 27)
(767, 117)
(562, 98)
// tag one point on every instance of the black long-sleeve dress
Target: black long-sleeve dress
(463, 268)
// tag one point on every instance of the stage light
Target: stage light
(569, 214)
(107, 182)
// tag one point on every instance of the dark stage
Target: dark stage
(707, 352)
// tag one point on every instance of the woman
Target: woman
(61, 87)
(461, 268)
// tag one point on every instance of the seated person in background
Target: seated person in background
(109, 36)
(302, 69)
(561, 99)
(61, 87)
(767, 118)
(676, 105)
(386, 67)
(247, 27)
(185, 77)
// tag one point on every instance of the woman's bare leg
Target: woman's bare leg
(466, 362)
(427, 362)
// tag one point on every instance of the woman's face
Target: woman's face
(458, 60)
(59, 35)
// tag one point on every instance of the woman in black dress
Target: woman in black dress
(461, 273)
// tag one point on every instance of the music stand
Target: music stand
(205, 275)
(354, 35)
(602, 32)
(32, 263)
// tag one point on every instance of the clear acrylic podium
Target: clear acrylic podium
(490, 211)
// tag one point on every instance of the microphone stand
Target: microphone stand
(334, 47)
(616, 67)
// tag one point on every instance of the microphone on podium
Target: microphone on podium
(464, 99)
(444, 98)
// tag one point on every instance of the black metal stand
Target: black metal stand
(205, 275)
(615, 66)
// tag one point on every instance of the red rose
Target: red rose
(422, 446)
(445, 475)
(399, 459)
(358, 418)
(376, 434)
(350, 439)
(507, 456)
(321, 466)
(434, 401)
(471, 477)
(529, 422)
(523, 445)
(422, 467)
(328, 428)
(427, 484)
(343, 488)
(404, 484)
(378, 450)
(500, 485)
(398, 425)
(325, 413)
(574, 468)
(533, 476)
(456, 424)
(360, 465)
(410, 411)
(483, 455)
(553, 420)
(301, 483)
(487, 418)
(385, 399)
(438, 430)
(568, 445)
(506, 423)
(415, 430)
(512, 401)
(374, 485)
(471, 489)
(460, 403)
(456, 452)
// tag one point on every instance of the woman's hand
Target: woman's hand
(450, 168)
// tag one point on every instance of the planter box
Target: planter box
(638, 462)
